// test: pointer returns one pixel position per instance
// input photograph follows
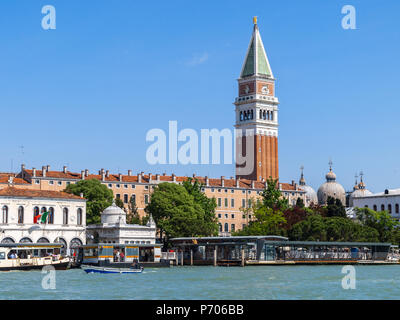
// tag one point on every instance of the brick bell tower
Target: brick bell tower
(257, 114)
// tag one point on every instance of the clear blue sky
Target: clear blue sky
(85, 94)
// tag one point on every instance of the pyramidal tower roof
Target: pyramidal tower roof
(256, 61)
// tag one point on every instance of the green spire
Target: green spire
(256, 62)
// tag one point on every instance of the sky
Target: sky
(86, 94)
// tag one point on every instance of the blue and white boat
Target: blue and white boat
(97, 269)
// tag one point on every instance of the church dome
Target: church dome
(360, 191)
(311, 195)
(331, 189)
(113, 215)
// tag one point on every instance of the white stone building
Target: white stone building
(389, 201)
(65, 223)
(114, 229)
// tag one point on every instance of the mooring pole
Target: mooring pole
(191, 257)
(182, 258)
(215, 256)
(242, 257)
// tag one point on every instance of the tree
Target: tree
(98, 198)
(177, 213)
(335, 208)
(299, 203)
(208, 204)
(272, 196)
(268, 213)
(119, 203)
(381, 221)
(133, 213)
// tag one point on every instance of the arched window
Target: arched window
(264, 115)
(79, 217)
(5, 214)
(65, 216)
(375, 207)
(251, 114)
(241, 116)
(226, 227)
(382, 207)
(43, 240)
(220, 227)
(35, 213)
(25, 240)
(50, 219)
(63, 250)
(232, 227)
(7, 240)
(260, 114)
(390, 208)
(21, 215)
(397, 208)
(272, 116)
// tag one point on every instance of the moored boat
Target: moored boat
(31, 256)
(96, 269)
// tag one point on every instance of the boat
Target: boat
(97, 269)
(31, 256)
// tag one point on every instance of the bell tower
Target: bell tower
(257, 114)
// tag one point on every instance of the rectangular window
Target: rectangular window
(133, 198)
(118, 196)
(125, 198)
(226, 202)
(146, 198)
(133, 186)
(51, 182)
(219, 202)
(232, 203)
(125, 186)
(232, 216)
(243, 203)
(60, 183)
(219, 215)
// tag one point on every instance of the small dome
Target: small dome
(311, 195)
(113, 215)
(330, 176)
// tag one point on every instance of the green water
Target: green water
(256, 282)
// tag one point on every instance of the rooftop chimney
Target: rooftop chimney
(252, 184)
(44, 171)
(65, 169)
(129, 172)
(81, 194)
(139, 178)
(34, 172)
(22, 167)
(86, 172)
(173, 177)
(207, 181)
(120, 177)
(158, 177)
(103, 175)
(83, 175)
(222, 181)
(150, 177)
(107, 173)
(237, 183)
(48, 168)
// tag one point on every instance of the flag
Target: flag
(36, 218)
(43, 217)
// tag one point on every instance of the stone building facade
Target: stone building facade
(66, 220)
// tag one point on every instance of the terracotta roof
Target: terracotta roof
(15, 180)
(16, 192)
(213, 182)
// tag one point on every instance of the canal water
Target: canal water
(252, 282)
